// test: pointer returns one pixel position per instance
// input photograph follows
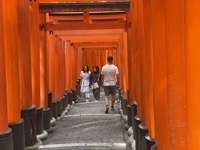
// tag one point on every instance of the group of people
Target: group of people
(107, 79)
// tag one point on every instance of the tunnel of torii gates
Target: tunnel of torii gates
(155, 44)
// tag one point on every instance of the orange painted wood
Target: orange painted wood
(192, 73)
(3, 97)
(51, 64)
(125, 63)
(60, 68)
(92, 39)
(84, 26)
(143, 73)
(24, 53)
(35, 53)
(175, 45)
(63, 67)
(67, 64)
(76, 60)
(159, 75)
(80, 58)
(10, 37)
(92, 17)
(43, 64)
(132, 50)
(57, 69)
(122, 65)
(72, 63)
(150, 122)
(78, 33)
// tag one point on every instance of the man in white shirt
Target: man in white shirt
(110, 75)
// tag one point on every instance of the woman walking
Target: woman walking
(95, 82)
(85, 81)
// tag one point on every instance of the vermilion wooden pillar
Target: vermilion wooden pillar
(175, 47)
(43, 63)
(159, 74)
(5, 143)
(10, 37)
(125, 63)
(51, 64)
(3, 105)
(52, 73)
(57, 79)
(24, 53)
(131, 49)
(72, 73)
(35, 55)
(80, 58)
(149, 68)
(63, 67)
(28, 111)
(35, 64)
(44, 72)
(67, 64)
(192, 73)
(146, 73)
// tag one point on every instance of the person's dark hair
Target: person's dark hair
(97, 68)
(87, 68)
(110, 59)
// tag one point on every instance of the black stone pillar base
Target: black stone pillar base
(18, 135)
(66, 98)
(50, 103)
(61, 105)
(125, 107)
(142, 132)
(129, 115)
(154, 147)
(137, 122)
(6, 142)
(64, 102)
(120, 95)
(134, 114)
(46, 120)
(149, 142)
(55, 110)
(29, 116)
(70, 97)
(58, 107)
(39, 120)
(74, 95)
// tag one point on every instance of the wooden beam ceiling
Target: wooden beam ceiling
(84, 26)
(91, 39)
(101, 48)
(89, 32)
(96, 44)
(83, 7)
(93, 17)
(78, 1)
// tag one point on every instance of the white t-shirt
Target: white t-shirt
(110, 73)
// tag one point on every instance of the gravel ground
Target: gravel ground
(87, 127)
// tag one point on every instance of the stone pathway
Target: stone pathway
(87, 127)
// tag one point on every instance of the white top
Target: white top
(85, 76)
(110, 72)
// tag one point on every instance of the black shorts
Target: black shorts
(110, 90)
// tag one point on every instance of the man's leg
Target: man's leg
(107, 100)
(107, 92)
(113, 97)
